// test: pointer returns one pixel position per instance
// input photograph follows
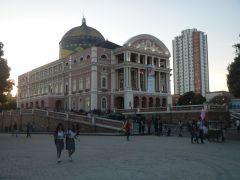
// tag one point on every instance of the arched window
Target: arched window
(88, 56)
(104, 103)
(103, 56)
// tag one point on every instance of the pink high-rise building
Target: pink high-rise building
(190, 62)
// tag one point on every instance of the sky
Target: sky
(32, 29)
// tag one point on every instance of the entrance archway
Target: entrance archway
(136, 102)
(42, 104)
(36, 105)
(164, 102)
(119, 102)
(150, 102)
(158, 102)
(144, 102)
(58, 105)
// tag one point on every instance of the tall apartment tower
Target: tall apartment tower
(190, 62)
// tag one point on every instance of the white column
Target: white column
(126, 56)
(129, 78)
(139, 86)
(125, 77)
(159, 75)
(138, 58)
(70, 84)
(93, 91)
(168, 83)
(117, 81)
(146, 78)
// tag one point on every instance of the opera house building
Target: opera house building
(94, 73)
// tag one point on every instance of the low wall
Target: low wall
(172, 117)
(43, 123)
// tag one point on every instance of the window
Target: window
(103, 56)
(60, 67)
(73, 105)
(104, 103)
(60, 87)
(66, 89)
(55, 88)
(88, 56)
(87, 103)
(104, 82)
(121, 83)
(80, 84)
(74, 85)
(87, 83)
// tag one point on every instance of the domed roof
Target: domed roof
(79, 38)
(83, 31)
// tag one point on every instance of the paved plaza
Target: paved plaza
(114, 158)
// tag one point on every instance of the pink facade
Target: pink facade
(101, 78)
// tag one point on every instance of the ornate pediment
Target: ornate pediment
(148, 43)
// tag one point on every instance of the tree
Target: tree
(1, 51)
(233, 77)
(190, 98)
(6, 84)
(10, 104)
(220, 99)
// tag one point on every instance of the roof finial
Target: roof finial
(83, 20)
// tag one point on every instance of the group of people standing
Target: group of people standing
(60, 135)
(197, 131)
(15, 129)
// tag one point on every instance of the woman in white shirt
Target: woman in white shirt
(59, 140)
(70, 143)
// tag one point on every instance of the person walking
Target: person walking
(143, 124)
(149, 124)
(180, 127)
(160, 127)
(201, 124)
(193, 131)
(128, 126)
(139, 124)
(238, 125)
(78, 129)
(58, 138)
(15, 130)
(28, 130)
(70, 142)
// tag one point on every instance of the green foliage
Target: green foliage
(190, 98)
(10, 103)
(1, 49)
(233, 77)
(220, 100)
(6, 84)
